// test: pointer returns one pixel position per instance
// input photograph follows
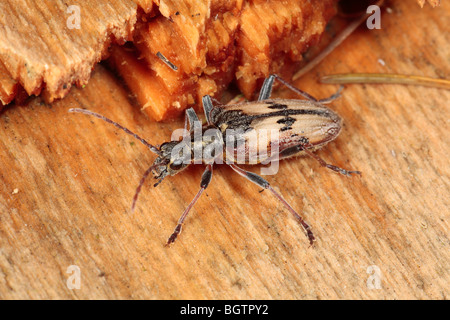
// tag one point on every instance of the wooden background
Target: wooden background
(67, 182)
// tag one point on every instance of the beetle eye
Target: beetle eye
(176, 165)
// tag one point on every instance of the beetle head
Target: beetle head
(171, 160)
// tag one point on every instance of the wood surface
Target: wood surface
(67, 182)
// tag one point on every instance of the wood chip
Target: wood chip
(433, 3)
(214, 43)
(8, 86)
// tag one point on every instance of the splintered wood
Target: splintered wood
(273, 35)
(433, 3)
(8, 86)
(49, 45)
(213, 43)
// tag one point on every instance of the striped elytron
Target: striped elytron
(302, 126)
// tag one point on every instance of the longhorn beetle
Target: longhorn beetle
(303, 126)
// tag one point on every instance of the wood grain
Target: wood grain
(75, 177)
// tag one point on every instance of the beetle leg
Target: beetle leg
(266, 90)
(292, 151)
(332, 97)
(207, 107)
(329, 166)
(206, 179)
(192, 117)
(258, 180)
(186, 118)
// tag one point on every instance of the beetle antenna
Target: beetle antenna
(141, 183)
(99, 116)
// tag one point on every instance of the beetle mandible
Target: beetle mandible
(303, 126)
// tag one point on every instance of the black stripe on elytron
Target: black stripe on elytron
(288, 122)
(238, 119)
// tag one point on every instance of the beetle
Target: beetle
(303, 126)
